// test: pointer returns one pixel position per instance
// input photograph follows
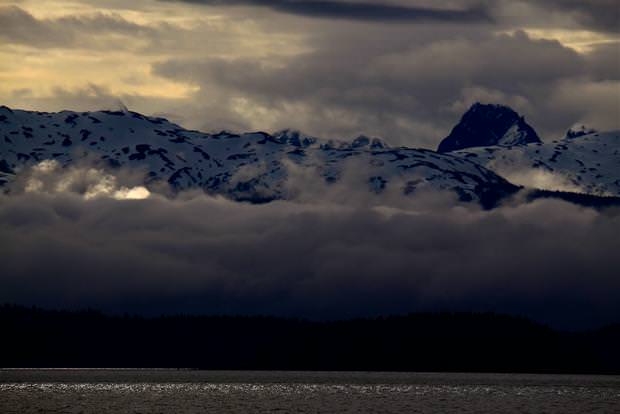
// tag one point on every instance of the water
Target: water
(182, 391)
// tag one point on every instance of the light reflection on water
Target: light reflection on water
(96, 391)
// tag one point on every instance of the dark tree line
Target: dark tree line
(33, 337)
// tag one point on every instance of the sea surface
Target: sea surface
(187, 391)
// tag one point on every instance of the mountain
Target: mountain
(584, 161)
(486, 125)
(252, 166)
(257, 166)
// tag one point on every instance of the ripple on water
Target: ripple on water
(143, 391)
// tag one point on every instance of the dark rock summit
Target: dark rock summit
(486, 125)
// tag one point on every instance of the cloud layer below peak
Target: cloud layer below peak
(320, 256)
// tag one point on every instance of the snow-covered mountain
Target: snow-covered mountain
(257, 166)
(583, 161)
(487, 124)
(580, 162)
(251, 166)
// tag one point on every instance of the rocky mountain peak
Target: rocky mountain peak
(486, 125)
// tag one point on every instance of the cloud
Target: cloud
(589, 102)
(364, 11)
(49, 177)
(603, 15)
(317, 256)
(407, 93)
(536, 178)
(253, 68)
(20, 27)
(604, 62)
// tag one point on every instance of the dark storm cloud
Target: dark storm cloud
(407, 83)
(601, 15)
(350, 10)
(323, 257)
(604, 61)
(20, 27)
(411, 93)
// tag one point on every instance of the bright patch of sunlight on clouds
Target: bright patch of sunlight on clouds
(114, 45)
(49, 177)
(134, 193)
(582, 41)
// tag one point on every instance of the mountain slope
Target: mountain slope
(584, 162)
(485, 125)
(252, 166)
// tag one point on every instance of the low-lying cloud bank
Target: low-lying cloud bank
(329, 255)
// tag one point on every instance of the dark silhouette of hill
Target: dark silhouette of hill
(33, 337)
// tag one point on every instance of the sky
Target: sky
(401, 70)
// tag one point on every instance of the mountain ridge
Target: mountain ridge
(586, 163)
(246, 167)
(255, 166)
